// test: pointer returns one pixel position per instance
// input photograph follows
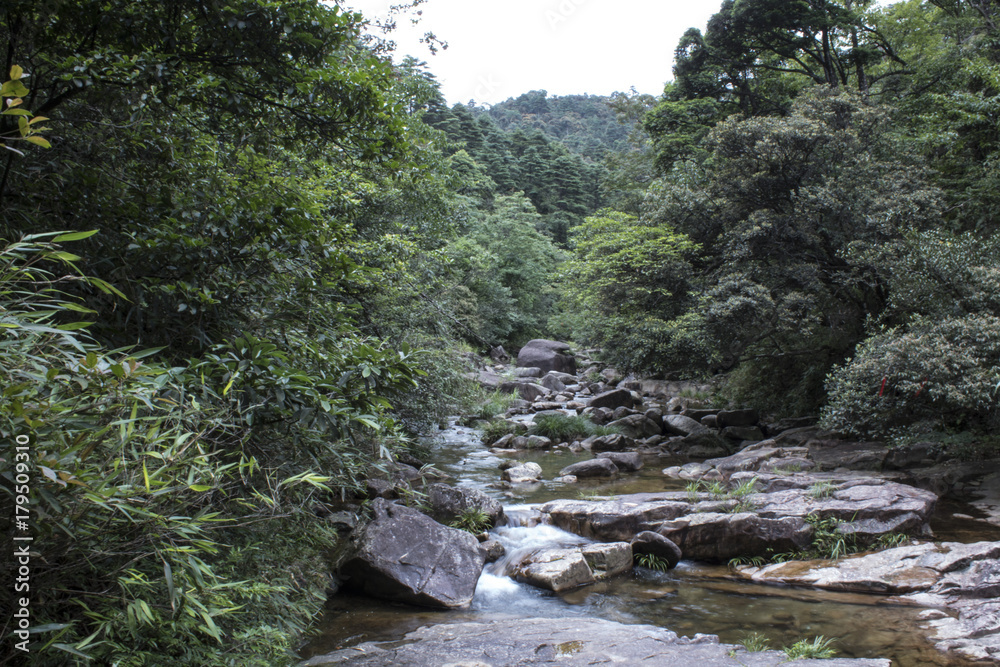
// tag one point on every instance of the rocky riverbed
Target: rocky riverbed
(758, 500)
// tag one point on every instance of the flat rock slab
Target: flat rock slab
(961, 578)
(572, 642)
(710, 528)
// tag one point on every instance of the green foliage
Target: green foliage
(473, 520)
(497, 428)
(492, 404)
(652, 562)
(821, 490)
(163, 485)
(755, 642)
(753, 561)
(566, 428)
(818, 649)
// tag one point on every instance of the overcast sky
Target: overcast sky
(502, 48)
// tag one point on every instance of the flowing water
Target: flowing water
(692, 598)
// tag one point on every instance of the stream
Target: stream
(692, 598)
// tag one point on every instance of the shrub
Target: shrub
(495, 429)
(566, 428)
(817, 649)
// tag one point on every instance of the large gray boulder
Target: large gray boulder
(625, 461)
(615, 442)
(447, 503)
(599, 467)
(615, 398)
(719, 537)
(528, 391)
(403, 555)
(554, 569)
(682, 425)
(568, 642)
(523, 473)
(548, 355)
(653, 544)
(637, 426)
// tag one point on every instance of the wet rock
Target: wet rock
(567, 479)
(832, 454)
(592, 468)
(637, 426)
(621, 412)
(737, 418)
(608, 560)
(548, 355)
(654, 544)
(447, 503)
(406, 556)
(612, 399)
(492, 550)
(554, 569)
(537, 442)
(609, 443)
(528, 391)
(522, 473)
(625, 461)
(702, 445)
(719, 537)
(528, 372)
(681, 425)
(565, 378)
(751, 433)
(617, 520)
(553, 383)
(489, 379)
(569, 642)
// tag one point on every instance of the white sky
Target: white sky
(502, 48)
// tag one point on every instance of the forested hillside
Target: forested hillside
(585, 124)
(822, 226)
(243, 254)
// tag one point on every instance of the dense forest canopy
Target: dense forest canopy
(243, 253)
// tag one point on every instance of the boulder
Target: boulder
(548, 355)
(607, 560)
(625, 461)
(525, 472)
(636, 426)
(528, 391)
(718, 537)
(743, 433)
(830, 454)
(737, 418)
(492, 550)
(592, 468)
(615, 442)
(682, 425)
(649, 543)
(612, 399)
(554, 569)
(447, 503)
(403, 555)
(489, 379)
(619, 519)
(702, 445)
(553, 383)
(528, 372)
